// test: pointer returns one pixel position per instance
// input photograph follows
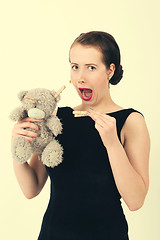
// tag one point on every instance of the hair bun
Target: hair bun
(118, 74)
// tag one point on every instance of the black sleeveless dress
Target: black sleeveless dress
(84, 202)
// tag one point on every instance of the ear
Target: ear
(22, 94)
(111, 70)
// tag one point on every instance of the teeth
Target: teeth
(88, 90)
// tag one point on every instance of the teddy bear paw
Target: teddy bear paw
(52, 154)
(21, 149)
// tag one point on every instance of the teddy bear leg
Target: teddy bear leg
(52, 154)
(21, 149)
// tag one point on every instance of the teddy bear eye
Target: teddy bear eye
(34, 105)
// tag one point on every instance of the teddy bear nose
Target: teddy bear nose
(36, 113)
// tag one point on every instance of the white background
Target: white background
(35, 37)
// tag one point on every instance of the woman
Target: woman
(105, 153)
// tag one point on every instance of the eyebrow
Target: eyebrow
(91, 64)
(87, 64)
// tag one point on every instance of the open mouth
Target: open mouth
(86, 93)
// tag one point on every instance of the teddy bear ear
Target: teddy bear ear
(55, 96)
(22, 94)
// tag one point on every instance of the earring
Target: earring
(109, 77)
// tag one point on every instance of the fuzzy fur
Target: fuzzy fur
(49, 128)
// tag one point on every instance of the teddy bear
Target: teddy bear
(39, 103)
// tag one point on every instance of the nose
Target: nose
(81, 80)
(81, 76)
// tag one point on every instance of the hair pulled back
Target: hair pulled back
(108, 47)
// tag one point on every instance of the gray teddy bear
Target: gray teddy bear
(39, 104)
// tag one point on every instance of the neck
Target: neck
(104, 105)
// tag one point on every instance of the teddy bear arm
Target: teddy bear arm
(18, 114)
(54, 124)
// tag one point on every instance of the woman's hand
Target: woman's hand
(106, 126)
(19, 129)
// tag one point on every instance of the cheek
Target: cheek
(101, 80)
(72, 74)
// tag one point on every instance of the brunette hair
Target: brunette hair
(108, 47)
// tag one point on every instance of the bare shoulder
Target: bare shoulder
(134, 120)
(135, 127)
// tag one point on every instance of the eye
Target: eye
(91, 68)
(74, 67)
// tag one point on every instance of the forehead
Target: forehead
(89, 54)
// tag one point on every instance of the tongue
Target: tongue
(87, 92)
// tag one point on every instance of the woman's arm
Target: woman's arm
(31, 176)
(129, 164)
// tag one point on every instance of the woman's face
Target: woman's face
(86, 65)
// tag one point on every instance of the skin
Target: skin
(129, 161)
(86, 64)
